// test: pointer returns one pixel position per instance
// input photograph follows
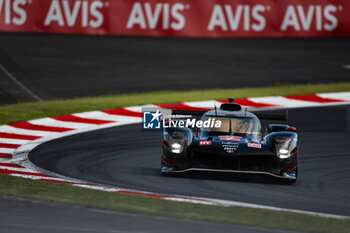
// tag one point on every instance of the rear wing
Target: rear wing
(261, 116)
(187, 113)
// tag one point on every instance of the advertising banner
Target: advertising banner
(181, 18)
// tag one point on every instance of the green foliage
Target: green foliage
(27, 111)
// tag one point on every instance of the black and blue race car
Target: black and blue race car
(230, 139)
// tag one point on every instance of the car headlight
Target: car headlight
(176, 148)
(284, 153)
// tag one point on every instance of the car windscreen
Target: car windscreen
(240, 126)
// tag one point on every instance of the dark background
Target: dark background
(68, 66)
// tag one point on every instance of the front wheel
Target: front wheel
(166, 169)
(291, 176)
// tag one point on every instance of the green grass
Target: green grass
(66, 194)
(26, 111)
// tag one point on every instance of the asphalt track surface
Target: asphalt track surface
(32, 217)
(127, 157)
(68, 66)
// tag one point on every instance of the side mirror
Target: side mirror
(291, 128)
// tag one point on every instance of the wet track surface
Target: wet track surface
(127, 157)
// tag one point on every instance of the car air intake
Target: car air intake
(230, 107)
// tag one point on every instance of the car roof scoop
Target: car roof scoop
(230, 106)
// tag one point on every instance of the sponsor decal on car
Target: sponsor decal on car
(205, 143)
(230, 138)
(254, 145)
(230, 146)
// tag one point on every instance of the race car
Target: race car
(230, 139)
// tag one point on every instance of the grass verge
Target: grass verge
(82, 197)
(66, 194)
(27, 111)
